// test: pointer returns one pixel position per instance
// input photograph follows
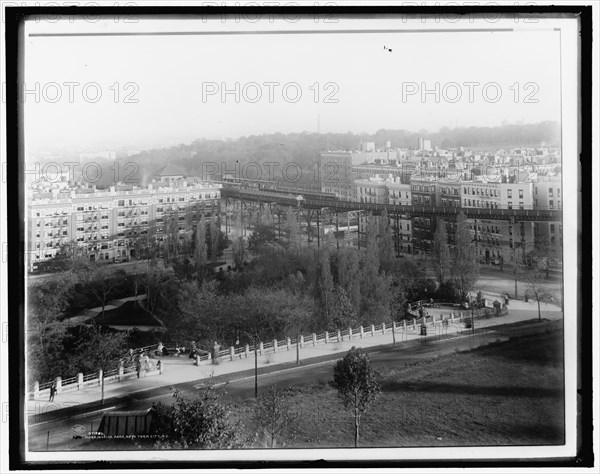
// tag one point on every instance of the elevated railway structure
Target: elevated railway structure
(311, 200)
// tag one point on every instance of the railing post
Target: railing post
(289, 343)
(247, 350)
(361, 332)
(231, 352)
(36, 390)
(339, 335)
(349, 334)
(326, 337)
(198, 359)
(301, 340)
(274, 345)
(372, 329)
(314, 339)
(382, 328)
(120, 372)
(261, 347)
(404, 324)
(79, 381)
(100, 376)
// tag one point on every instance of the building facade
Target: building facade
(106, 223)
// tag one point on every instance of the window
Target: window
(552, 228)
(551, 204)
(557, 192)
(520, 194)
(509, 193)
(121, 202)
(550, 192)
(509, 204)
(520, 204)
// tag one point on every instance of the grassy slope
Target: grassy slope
(502, 394)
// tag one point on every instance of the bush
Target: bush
(448, 292)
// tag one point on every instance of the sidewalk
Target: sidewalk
(182, 369)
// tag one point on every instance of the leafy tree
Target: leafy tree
(325, 286)
(465, 267)
(292, 227)
(441, 252)
(239, 253)
(357, 384)
(200, 312)
(349, 274)
(97, 349)
(154, 280)
(200, 251)
(217, 241)
(261, 235)
(200, 423)
(102, 285)
(273, 414)
(386, 243)
(47, 302)
(343, 315)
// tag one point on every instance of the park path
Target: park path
(182, 369)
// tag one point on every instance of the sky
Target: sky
(143, 90)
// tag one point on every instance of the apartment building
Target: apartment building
(106, 223)
(547, 194)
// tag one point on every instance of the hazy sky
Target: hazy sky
(171, 77)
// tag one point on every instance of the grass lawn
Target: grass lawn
(506, 393)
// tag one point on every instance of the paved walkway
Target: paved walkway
(182, 369)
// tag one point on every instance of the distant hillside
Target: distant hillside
(303, 149)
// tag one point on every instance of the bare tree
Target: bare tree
(273, 414)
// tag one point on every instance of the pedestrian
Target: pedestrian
(159, 349)
(177, 351)
(138, 368)
(159, 366)
(52, 391)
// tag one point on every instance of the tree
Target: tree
(239, 253)
(292, 226)
(535, 280)
(200, 423)
(343, 315)
(217, 241)
(465, 268)
(102, 285)
(200, 251)
(325, 286)
(441, 252)
(261, 235)
(349, 274)
(97, 349)
(357, 384)
(273, 414)
(200, 312)
(386, 243)
(47, 302)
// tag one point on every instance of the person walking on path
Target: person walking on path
(52, 391)
(138, 368)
